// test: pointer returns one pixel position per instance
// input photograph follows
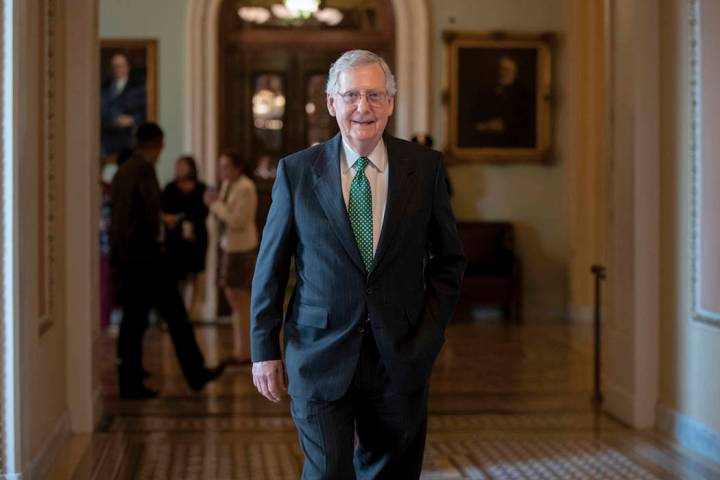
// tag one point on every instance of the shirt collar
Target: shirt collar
(378, 157)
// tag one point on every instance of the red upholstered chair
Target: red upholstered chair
(494, 272)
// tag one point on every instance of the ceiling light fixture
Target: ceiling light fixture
(302, 8)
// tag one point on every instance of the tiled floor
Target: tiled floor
(507, 402)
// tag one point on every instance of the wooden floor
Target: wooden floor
(507, 402)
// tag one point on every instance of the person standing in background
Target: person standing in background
(235, 207)
(186, 239)
(139, 262)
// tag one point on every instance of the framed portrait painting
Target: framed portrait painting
(497, 97)
(128, 91)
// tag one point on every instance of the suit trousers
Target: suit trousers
(390, 427)
(145, 286)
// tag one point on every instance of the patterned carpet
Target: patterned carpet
(507, 402)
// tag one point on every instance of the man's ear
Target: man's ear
(331, 105)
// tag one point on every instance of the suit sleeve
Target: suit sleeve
(149, 192)
(271, 272)
(446, 260)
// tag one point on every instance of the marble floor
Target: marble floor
(507, 402)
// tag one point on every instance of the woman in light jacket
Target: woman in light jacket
(235, 207)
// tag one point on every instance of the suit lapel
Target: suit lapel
(399, 185)
(328, 189)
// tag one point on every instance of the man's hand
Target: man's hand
(269, 379)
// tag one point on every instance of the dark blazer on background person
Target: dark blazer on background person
(136, 208)
(146, 280)
(407, 298)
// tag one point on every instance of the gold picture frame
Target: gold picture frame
(497, 97)
(139, 94)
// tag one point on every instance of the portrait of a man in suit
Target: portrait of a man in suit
(123, 105)
(497, 106)
(366, 218)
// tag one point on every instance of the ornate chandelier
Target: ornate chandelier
(292, 11)
(302, 8)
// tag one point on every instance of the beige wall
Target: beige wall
(42, 330)
(534, 198)
(58, 205)
(689, 351)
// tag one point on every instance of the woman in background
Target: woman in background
(186, 240)
(235, 207)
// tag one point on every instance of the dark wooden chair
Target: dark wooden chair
(494, 272)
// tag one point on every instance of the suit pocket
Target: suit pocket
(312, 316)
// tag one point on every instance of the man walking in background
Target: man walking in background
(146, 280)
(378, 262)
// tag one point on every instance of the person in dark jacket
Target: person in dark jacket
(366, 219)
(141, 266)
(186, 238)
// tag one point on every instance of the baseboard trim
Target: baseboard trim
(40, 465)
(618, 403)
(689, 433)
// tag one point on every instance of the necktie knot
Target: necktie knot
(361, 164)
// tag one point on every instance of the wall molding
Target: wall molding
(41, 462)
(699, 314)
(688, 432)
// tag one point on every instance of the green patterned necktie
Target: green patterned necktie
(360, 211)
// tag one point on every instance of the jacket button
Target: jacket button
(369, 291)
(361, 329)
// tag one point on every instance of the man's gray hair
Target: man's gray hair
(356, 58)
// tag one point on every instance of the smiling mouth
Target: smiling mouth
(367, 122)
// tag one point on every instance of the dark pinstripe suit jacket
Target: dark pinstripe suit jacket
(408, 296)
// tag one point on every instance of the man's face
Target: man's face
(120, 67)
(361, 122)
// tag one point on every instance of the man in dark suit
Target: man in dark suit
(146, 279)
(378, 263)
(123, 104)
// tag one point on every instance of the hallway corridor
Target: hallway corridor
(507, 402)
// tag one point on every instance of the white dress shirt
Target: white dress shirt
(377, 175)
(119, 86)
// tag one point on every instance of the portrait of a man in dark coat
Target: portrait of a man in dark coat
(497, 106)
(123, 105)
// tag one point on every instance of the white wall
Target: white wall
(689, 350)
(163, 20)
(533, 197)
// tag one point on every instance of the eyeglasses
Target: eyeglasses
(374, 97)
